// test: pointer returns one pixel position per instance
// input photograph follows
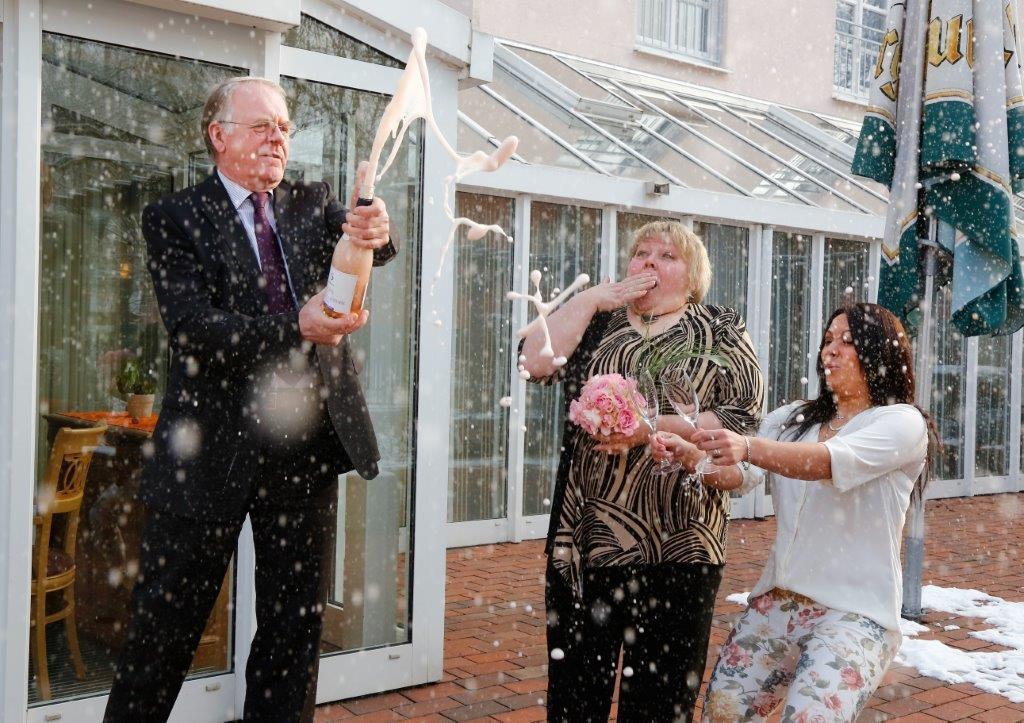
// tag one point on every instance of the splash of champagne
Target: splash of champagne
(543, 309)
(412, 101)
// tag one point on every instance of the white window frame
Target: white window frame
(661, 35)
(860, 46)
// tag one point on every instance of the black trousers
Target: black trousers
(182, 564)
(659, 617)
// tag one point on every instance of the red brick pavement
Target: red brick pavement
(495, 657)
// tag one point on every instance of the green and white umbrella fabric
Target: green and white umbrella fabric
(945, 131)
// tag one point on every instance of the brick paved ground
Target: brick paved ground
(494, 628)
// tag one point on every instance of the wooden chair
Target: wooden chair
(53, 567)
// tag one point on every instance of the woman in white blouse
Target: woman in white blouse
(822, 623)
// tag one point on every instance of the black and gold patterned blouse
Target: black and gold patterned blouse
(610, 509)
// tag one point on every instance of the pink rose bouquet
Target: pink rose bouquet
(607, 405)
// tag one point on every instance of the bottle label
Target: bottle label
(341, 288)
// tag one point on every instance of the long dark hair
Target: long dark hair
(887, 362)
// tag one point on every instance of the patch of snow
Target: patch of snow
(740, 598)
(1002, 672)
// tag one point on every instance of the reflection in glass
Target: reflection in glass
(788, 346)
(480, 363)
(992, 441)
(120, 129)
(949, 389)
(369, 580)
(846, 268)
(564, 242)
(727, 251)
(626, 226)
(319, 37)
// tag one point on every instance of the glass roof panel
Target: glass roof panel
(567, 76)
(752, 154)
(534, 145)
(641, 126)
(591, 143)
(846, 135)
(830, 185)
(469, 141)
(690, 173)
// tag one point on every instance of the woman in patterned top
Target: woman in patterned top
(635, 559)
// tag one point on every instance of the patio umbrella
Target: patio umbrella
(945, 131)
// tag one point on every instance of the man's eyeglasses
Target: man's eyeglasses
(266, 128)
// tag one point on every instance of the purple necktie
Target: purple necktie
(279, 299)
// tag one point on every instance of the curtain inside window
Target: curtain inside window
(481, 363)
(564, 242)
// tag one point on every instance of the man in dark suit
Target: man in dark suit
(262, 411)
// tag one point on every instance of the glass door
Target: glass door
(119, 130)
(367, 639)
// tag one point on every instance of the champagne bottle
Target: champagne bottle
(349, 275)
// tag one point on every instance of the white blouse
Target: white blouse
(838, 541)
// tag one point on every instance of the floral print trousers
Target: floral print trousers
(821, 664)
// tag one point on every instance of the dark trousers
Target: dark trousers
(182, 564)
(659, 617)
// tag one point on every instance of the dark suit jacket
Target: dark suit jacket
(223, 342)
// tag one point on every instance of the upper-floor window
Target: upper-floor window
(860, 25)
(689, 28)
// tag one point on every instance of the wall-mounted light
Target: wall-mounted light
(656, 188)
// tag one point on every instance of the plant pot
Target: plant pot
(140, 405)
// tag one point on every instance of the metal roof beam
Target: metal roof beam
(486, 135)
(774, 156)
(561, 142)
(806, 152)
(595, 127)
(690, 129)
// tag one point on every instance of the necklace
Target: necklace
(837, 417)
(648, 319)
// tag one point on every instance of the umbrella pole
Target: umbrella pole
(913, 543)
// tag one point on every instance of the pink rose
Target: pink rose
(765, 703)
(628, 422)
(851, 678)
(737, 657)
(833, 703)
(761, 603)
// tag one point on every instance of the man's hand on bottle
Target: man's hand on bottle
(368, 226)
(319, 328)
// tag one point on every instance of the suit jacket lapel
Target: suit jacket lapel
(295, 255)
(246, 270)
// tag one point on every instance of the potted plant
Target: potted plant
(138, 387)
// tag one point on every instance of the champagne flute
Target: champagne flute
(648, 411)
(682, 396)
